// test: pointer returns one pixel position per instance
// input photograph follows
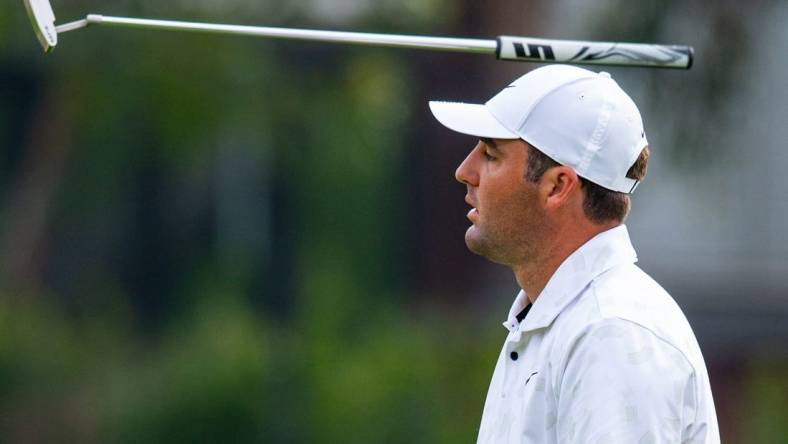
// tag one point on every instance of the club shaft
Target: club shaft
(524, 49)
(391, 40)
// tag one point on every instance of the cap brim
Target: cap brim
(472, 119)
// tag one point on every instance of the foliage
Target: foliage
(206, 238)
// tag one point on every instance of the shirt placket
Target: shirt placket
(513, 354)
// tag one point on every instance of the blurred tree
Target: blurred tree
(211, 238)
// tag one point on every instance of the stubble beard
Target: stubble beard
(499, 246)
(483, 247)
(509, 231)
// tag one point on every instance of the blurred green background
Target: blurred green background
(229, 239)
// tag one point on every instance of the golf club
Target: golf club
(524, 49)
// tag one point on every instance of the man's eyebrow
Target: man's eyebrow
(489, 142)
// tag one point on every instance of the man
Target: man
(597, 351)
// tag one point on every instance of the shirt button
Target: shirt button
(514, 356)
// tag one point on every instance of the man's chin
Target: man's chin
(475, 241)
(478, 244)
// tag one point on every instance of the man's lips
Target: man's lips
(473, 213)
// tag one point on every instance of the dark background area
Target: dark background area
(215, 238)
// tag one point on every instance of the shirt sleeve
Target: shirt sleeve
(620, 383)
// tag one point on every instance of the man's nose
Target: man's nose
(466, 172)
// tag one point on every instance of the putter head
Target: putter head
(43, 19)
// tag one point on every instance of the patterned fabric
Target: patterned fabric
(604, 355)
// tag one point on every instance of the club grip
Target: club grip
(527, 49)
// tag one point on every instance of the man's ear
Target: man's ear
(558, 186)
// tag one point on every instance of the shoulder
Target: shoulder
(624, 310)
(621, 345)
(625, 342)
(628, 294)
(625, 324)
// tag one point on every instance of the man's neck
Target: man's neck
(533, 276)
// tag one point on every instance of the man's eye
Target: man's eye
(488, 156)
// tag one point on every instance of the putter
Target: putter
(524, 49)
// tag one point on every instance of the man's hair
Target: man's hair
(600, 204)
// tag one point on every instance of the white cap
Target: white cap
(577, 117)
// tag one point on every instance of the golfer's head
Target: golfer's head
(560, 144)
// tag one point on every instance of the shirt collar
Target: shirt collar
(601, 253)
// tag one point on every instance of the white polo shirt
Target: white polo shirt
(604, 355)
